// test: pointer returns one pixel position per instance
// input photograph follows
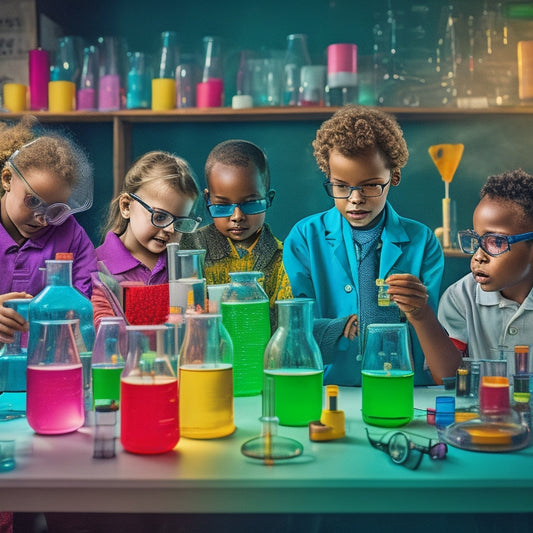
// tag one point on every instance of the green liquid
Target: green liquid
(298, 395)
(106, 383)
(248, 325)
(388, 397)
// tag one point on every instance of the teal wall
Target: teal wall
(492, 143)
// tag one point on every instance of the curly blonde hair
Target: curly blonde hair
(13, 137)
(355, 130)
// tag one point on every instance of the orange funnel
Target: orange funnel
(446, 158)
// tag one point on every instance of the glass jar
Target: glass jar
(246, 315)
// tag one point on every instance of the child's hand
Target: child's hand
(10, 320)
(351, 328)
(409, 293)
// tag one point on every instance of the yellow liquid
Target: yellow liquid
(206, 401)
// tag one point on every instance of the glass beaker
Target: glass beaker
(138, 82)
(108, 361)
(206, 378)
(54, 400)
(210, 91)
(293, 358)
(296, 57)
(149, 420)
(246, 316)
(387, 376)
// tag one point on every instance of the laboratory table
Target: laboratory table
(59, 473)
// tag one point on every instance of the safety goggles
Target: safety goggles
(252, 207)
(491, 243)
(54, 214)
(163, 219)
(403, 450)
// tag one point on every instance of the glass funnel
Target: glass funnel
(269, 446)
(387, 373)
(206, 378)
(293, 359)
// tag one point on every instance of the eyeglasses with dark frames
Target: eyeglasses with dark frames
(54, 214)
(368, 190)
(493, 244)
(403, 449)
(163, 219)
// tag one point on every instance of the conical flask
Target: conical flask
(387, 376)
(206, 378)
(293, 358)
(54, 400)
(149, 420)
(246, 316)
(109, 356)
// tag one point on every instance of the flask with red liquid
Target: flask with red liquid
(149, 420)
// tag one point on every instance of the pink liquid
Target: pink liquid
(149, 420)
(54, 400)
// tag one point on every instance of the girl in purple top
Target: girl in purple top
(44, 179)
(158, 193)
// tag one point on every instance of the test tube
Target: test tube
(521, 359)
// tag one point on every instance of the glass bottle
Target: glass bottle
(108, 361)
(387, 373)
(66, 65)
(210, 91)
(499, 428)
(149, 420)
(293, 358)
(246, 316)
(109, 74)
(296, 57)
(86, 96)
(138, 82)
(206, 378)
(55, 396)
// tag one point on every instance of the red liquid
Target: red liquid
(149, 420)
(55, 398)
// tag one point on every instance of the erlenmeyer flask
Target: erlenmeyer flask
(246, 316)
(387, 373)
(293, 358)
(206, 378)
(54, 400)
(149, 421)
(108, 360)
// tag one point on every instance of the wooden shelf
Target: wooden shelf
(123, 120)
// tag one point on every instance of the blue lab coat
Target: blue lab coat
(321, 262)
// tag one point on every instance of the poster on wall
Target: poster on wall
(18, 35)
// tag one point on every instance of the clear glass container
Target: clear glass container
(296, 57)
(293, 359)
(206, 378)
(108, 74)
(499, 428)
(13, 356)
(149, 420)
(86, 95)
(109, 356)
(55, 394)
(212, 54)
(246, 315)
(168, 57)
(138, 86)
(387, 373)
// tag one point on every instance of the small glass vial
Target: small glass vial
(383, 296)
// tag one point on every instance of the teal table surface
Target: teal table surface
(59, 473)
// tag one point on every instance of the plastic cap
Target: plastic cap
(521, 349)
(64, 256)
(241, 101)
(342, 58)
